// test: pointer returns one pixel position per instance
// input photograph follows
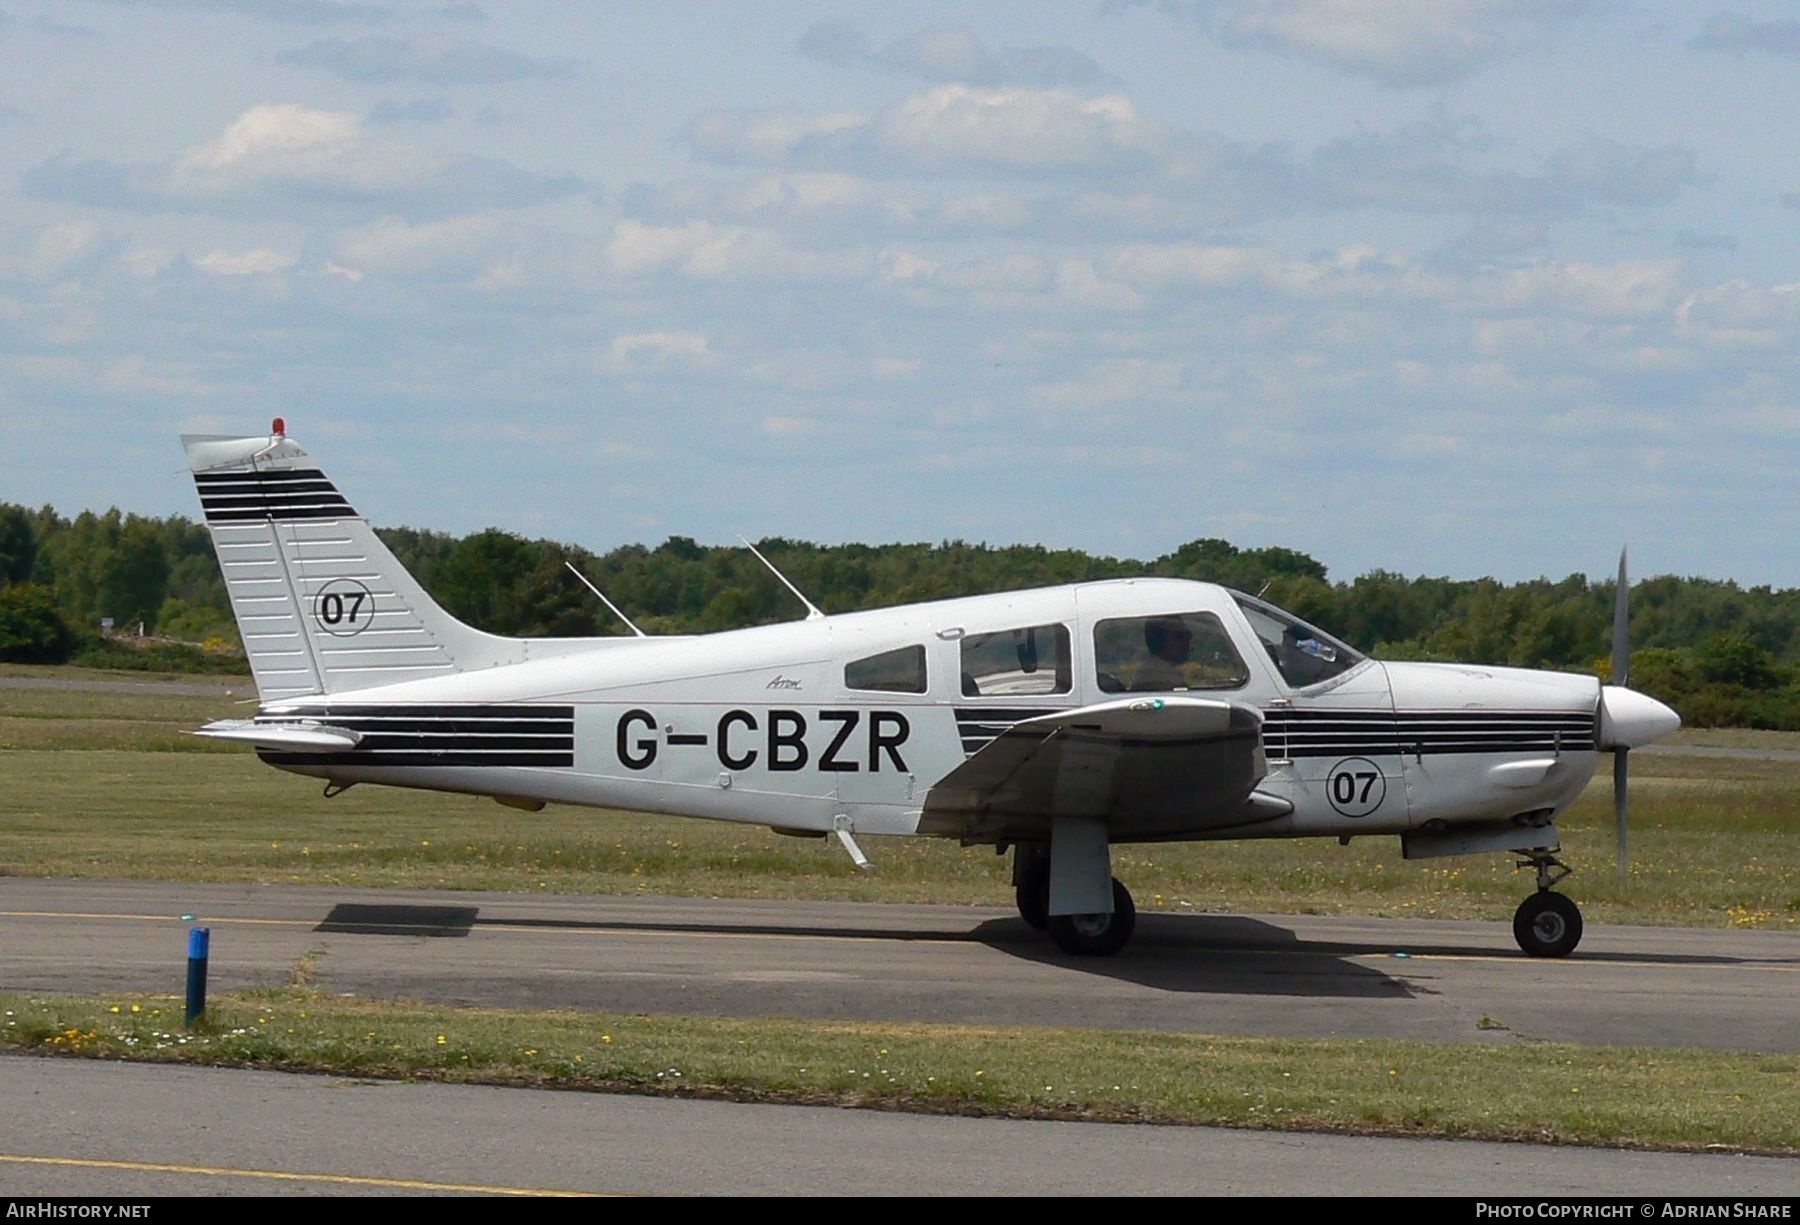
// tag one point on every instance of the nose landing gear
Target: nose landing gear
(1547, 924)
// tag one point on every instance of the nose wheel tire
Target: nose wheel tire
(1096, 935)
(1547, 925)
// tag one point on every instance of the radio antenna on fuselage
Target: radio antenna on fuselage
(812, 610)
(602, 595)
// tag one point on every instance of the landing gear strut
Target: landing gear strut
(1547, 924)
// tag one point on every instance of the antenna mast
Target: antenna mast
(812, 611)
(602, 595)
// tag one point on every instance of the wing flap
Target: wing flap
(1151, 768)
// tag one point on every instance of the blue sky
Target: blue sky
(1466, 287)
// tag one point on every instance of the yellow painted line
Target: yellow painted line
(494, 926)
(152, 918)
(352, 1180)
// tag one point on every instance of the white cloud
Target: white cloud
(1737, 33)
(1627, 288)
(1008, 130)
(1112, 385)
(638, 352)
(285, 157)
(1398, 42)
(1626, 174)
(1019, 271)
(392, 247)
(61, 249)
(843, 201)
(140, 375)
(146, 262)
(703, 250)
(952, 55)
(1020, 130)
(1359, 272)
(295, 146)
(1077, 282)
(1740, 315)
(1201, 264)
(268, 135)
(245, 263)
(788, 427)
(739, 136)
(436, 61)
(890, 369)
(1076, 163)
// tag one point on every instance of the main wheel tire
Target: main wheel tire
(1096, 935)
(1547, 925)
(1033, 896)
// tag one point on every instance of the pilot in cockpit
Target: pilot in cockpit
(1169, 642)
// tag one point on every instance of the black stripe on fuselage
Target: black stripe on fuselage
(979, 725)
(1352, 733)
(1343, 733)
(420, 760)
(425, 736)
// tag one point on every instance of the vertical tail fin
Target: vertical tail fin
(322, 605)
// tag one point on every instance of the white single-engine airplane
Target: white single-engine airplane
(1054, 722)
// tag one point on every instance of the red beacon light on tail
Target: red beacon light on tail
(278, 427)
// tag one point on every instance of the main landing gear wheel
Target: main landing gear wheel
(1033, 895)
(1547, 925)
(1096, 935)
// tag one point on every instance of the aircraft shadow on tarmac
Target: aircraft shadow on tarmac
(1220, 955)
(1190, 953)
(352, 919)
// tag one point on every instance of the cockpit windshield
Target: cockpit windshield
(1303, 655)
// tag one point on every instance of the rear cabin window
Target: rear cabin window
(1166, 653)
(899, 671)
(1017, 663)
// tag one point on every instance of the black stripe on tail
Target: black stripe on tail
(249, 497)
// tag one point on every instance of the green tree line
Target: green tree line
(1719, 653)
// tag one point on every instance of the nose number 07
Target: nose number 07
(1355, 787)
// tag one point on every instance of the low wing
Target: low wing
(1151, 768)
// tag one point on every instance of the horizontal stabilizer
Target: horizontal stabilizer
(287, 737)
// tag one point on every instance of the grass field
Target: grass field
(1537, 1091)
(101, 783)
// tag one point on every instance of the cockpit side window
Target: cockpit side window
(897, 671)
(1166, 653)
(1303, 655)
(1021, 662)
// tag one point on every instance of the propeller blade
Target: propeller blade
(1619, 801)
(1621, 635)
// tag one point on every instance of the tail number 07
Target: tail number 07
(344, 607)
(1355, 787)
